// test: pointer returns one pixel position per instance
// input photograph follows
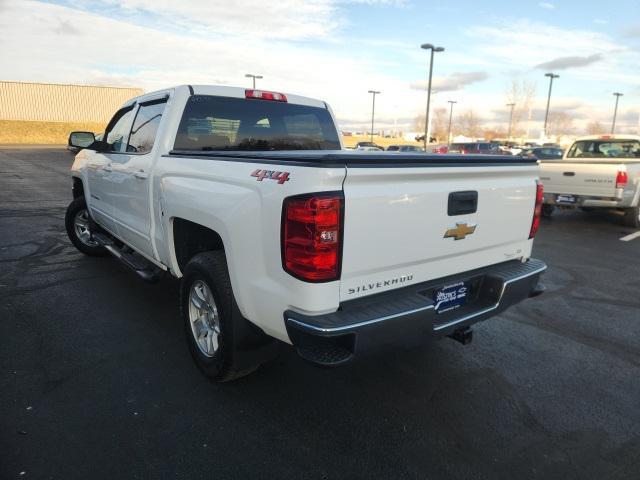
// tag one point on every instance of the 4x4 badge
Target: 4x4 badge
(280, 177)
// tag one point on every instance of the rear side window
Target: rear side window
(145, 126)
(212, 123)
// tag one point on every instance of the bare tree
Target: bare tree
(595, 128)
(469, 124)
(491, 133)
(440, 124)
(521, 92)
(418, 124)
(560, 123)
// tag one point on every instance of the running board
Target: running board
(140, 265)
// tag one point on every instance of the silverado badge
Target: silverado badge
(460, 231)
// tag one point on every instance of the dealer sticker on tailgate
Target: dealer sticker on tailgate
(450, 297)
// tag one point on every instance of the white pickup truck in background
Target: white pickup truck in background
(278, 234)
(600, 171)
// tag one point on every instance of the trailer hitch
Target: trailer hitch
(463, 335)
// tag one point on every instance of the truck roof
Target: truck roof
(609, 137)
(226, 91)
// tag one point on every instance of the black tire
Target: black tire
(78, 208)
(632, 217)
(587, 209)
(547, 210)
(236, 335)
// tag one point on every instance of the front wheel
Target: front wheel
(79, 226)
(215, 330)
(632, 217)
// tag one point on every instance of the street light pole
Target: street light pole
(510, 118)
(615, 112)
(451, 102)
(373, 110)
(428, 46)
(546, 115)
(253, 77)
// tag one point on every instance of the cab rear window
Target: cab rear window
(211, 123)
(605, 148)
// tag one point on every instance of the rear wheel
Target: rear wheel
(79, 228)
(632, 217)
(547, 210)
(216, 331)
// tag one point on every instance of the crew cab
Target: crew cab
(277, 234)
(597, 171)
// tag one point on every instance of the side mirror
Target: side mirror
(81, 140)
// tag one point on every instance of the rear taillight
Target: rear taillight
(262, 95)
(312, 236)
(621, 179)
(537, 211)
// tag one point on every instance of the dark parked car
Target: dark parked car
(486, 148)
(404, 148)
(543, 153)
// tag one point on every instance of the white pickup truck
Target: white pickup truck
(278, 234)
(598, 171)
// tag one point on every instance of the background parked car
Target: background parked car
(543, 153)
(404, 148)
(441, 149)
(367, 144)
(367, 148)
(486, 148)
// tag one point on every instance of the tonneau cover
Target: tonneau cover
(334, 158)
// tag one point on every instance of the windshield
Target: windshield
(223, 123)
(605, 148)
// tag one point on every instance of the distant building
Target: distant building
(46, 102)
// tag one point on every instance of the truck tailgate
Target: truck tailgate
(396, 219)
(596, 179)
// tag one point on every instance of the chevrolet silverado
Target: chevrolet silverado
(598, 171)
(278, 234)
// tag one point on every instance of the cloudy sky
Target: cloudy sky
(337, 50)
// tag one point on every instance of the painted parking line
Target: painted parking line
(631, 236)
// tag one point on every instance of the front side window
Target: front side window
(118, 130)
(145, 127)
(212, 123)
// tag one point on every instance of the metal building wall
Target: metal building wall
(61, 103)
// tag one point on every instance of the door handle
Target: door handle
(141, 174)
(108, 168)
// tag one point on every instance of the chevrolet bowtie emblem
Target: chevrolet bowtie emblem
(460, 232)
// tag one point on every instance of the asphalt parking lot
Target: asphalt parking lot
(96, 380)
